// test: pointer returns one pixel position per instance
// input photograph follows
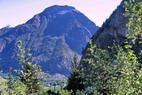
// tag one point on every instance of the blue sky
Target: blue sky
(14, 12)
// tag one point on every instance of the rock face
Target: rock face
(53, 35)
(114, 29)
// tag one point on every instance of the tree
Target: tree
(29, 73)
(118, 72)
(98, 72)
(3, 86)
(74, 81)
(133, 10)
(125, 72)
(10, 82)
(128, 58)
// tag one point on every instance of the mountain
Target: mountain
(53, 35)
(113, 31)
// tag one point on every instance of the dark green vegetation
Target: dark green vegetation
(112, 69)
(112, 66)
(75, 82)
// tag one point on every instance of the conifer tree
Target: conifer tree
(74, 81)
(29, 73)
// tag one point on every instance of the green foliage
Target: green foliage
(29, 73)
(88, 91)
(100, 69)
(63, 92)
(102, 72)
(126, 72)
(3, 86)
(116, 70)
(75, 63)
(58, 92)
(18, 88)
(115, 73)
(10, 82)
(12, 87)
(131, 56)
(133, 10)
(74, 81)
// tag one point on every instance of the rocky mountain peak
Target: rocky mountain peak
(56, 9)
(54, 35)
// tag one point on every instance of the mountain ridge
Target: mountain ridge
(112, 32)
(53, 35)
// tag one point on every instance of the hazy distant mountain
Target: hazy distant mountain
(53, 35)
